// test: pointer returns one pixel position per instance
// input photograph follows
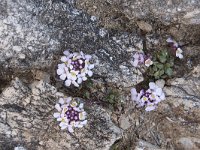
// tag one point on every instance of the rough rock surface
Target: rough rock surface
(179, 18)
(34, 33)
(176, 122)
(27, 119)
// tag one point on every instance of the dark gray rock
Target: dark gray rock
(26, 114)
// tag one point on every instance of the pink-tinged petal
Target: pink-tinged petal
(135, 63)
(70, 129)
(60, 71)
(91, 66)
(136, 56)
(75, 83)
(84, 78)
(79, 80)
(141, 59)
(152, 85)
(68, 82)
(175, 44)
(180, 56)
(82, 54)
(169, 40)
(61, 101)
(148, 62)
(56, 115)
(68, 100)
(66, 53)
(57, 106)
(88, 57)
(84, 122)
(90, 73)
(158, 91)
(150, 108)
(133, 91)
(64, 59)
(162, 96)
(70, 56)
(61, 66)
(81, 105)
(63, 127)
(63, 76)
(179, 50)
(59, 119)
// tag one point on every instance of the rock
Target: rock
(141, 145)
(165, 11)
(185, 91)
(31, 124)
(160, 83)
(124, 122)
(188, 143)
(34, 34)
(181, 18)
(144, 26)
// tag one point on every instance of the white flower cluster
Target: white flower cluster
(148, 98)
(139, 58)
(70, 114)
(175, 47)
(75, 68)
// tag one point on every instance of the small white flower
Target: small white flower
(75, 68)
(68, 82)
(66, 53)
(179, 53)
(150, 107)
(71, 114)
(64, 59)
(56, 115)
(61, 101)
(148, 62)
(57, 106)
(140, 58)
(149, 98)
(152, 85)
(176, 47)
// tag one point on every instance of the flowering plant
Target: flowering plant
(148, 98)
(139, 58)
(162, 67)
(176, 47)
(75, 68)
(70, 114)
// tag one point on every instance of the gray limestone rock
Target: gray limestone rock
(26, 113)
(35, 33)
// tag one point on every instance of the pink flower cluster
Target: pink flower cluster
(175, 47)
(148, 98)
(139, 58)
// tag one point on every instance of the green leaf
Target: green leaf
(155, 68)
(169, 71)
(160, 66)
(164, 76)
(156, 74)
(151, 72)
(167, 65)
(161, 72)
(164, 53)
(162, 59)
(87, 94)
